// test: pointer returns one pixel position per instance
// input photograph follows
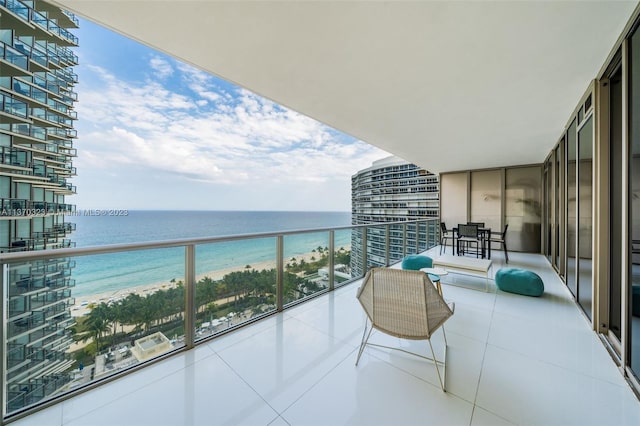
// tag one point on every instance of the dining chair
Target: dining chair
(467, 235)
(479, 224)
(501, 238)
(446, 234)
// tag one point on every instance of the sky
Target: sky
(157, 134)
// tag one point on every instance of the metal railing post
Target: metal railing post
(332, 249)
(364, 251)
(4, 293)
(279, 273)
(190, 295)
(387, 244)
(404, 239)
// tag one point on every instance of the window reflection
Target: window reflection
(571, 208)
(585, 196)
(634, 205)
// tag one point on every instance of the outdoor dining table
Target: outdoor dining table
(485, 235)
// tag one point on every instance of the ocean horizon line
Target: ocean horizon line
(208, 210)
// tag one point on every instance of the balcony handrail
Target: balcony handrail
(57, 313)
(113, 248)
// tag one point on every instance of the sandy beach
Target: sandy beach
(145, 290)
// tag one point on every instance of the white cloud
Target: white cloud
(161, 66)
(203, 131)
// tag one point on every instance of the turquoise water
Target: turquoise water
(118, 271)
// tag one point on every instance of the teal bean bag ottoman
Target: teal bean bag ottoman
(415, 262)
(519, 281)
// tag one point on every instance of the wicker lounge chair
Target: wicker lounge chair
(403, 304)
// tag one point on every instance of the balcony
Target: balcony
(12, 110)
(511, 360)
(35, 23)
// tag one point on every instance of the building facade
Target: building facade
(36, 153)
(391, 190)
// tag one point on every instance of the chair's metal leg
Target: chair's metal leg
(445, 335)
(441, 378)
(364, 341)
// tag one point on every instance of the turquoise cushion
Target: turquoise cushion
(519, 281)
(416, 262)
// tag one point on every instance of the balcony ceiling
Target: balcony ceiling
(445, 85)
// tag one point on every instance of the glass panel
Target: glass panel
(453, 199)
(432, 238)
(615, 205)
(5, 187)
(548, 206)
(486, 200)
(585, 222)
(523, 210)
(235, 281)
(15, 57)
(341, 258)
(73, 335)
(396, 243)
(358, 268)
(23, 229)
(376, 244)
(38, 224)
(571, 208)
(307, 254)
(15, 107)
(23, 191)
(558, 178)
(633, 294)
(4, 236)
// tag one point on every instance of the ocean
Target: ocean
(119, 271)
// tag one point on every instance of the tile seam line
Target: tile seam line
(482, 366)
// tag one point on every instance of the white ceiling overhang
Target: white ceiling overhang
(445, 85)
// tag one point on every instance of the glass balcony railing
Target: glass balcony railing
(13, 106)
(13, 56)
(15, 207)
(16, 7)
(38, 18)
(129, 304)
(15, 157)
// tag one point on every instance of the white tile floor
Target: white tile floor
(511, 360)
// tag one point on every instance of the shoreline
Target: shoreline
(146, 289)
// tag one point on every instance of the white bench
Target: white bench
(464, 265)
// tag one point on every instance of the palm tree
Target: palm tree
(97, 324)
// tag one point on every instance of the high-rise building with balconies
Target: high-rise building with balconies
(392, 190)
(36, 152)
